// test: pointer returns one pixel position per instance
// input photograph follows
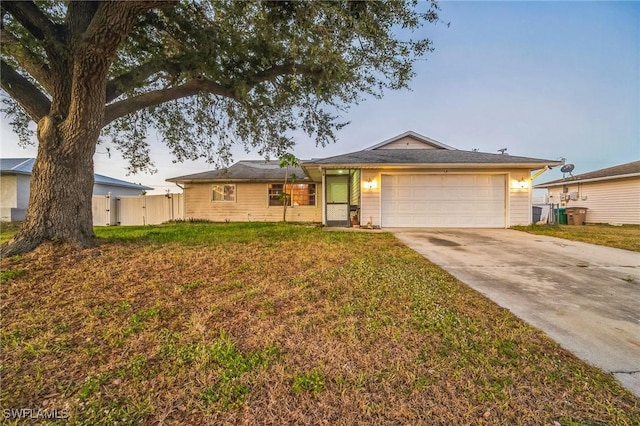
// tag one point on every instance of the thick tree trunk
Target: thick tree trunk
(62, 177)
(79, 53)
(61, 191)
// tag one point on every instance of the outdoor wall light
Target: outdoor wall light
(522, 183)
(370, 184)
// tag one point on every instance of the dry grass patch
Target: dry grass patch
(625, 237)
(272, 324)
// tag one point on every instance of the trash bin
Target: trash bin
(576, 215)
(536, 214)
(562, 216)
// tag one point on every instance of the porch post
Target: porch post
(324, 199)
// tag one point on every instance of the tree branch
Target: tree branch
(28, 60)
(112, 22)
(133, 78)
(95, 40)
(286, 69)
(79, 16)
(33, 20)
(34, 102)
(195, 86)
(157, 97)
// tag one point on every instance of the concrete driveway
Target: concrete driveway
(585, 297)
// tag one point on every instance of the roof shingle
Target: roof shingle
(632, 168)
(428, 156)
(248, 170)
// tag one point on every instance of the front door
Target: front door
(337, 193)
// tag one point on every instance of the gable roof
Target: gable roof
(616, 172)
(429, 157)
(23, 166)
(245, 171)
(437, 155)
(411, 134)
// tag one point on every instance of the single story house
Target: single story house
(251, 191)
(15, 179)
(406, 181)
(611, 195)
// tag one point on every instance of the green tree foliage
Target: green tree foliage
(202, 74)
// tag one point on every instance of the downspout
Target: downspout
(533, 176)
(324, 200)
(183, 199)
(538, 173)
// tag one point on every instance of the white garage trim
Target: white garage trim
(451, 200)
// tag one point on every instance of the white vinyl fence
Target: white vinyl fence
(137, 210)
(104, 210)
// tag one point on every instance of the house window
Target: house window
(304, 194)
(223, 193)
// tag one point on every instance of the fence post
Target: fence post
(118, 213)
(108, 202)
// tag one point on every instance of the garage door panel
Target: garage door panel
(403, 206)
(443, 201)
(405, 193)
(405, 180)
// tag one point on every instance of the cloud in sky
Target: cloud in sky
(543, 79)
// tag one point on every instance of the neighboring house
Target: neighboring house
(611, 195)
(15, 177)
(406, 181)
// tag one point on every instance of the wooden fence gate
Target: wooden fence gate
(137, 210)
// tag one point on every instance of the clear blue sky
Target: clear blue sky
(543, 79)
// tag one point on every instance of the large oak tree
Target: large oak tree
(202, 74)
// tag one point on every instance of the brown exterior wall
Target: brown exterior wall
(251, 205)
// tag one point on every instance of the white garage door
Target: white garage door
(443, 201)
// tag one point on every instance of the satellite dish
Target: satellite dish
(567, 168)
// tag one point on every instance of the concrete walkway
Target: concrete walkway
(585, 297)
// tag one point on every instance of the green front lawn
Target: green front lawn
(274, 323)
(625, 237)
(7, 229)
